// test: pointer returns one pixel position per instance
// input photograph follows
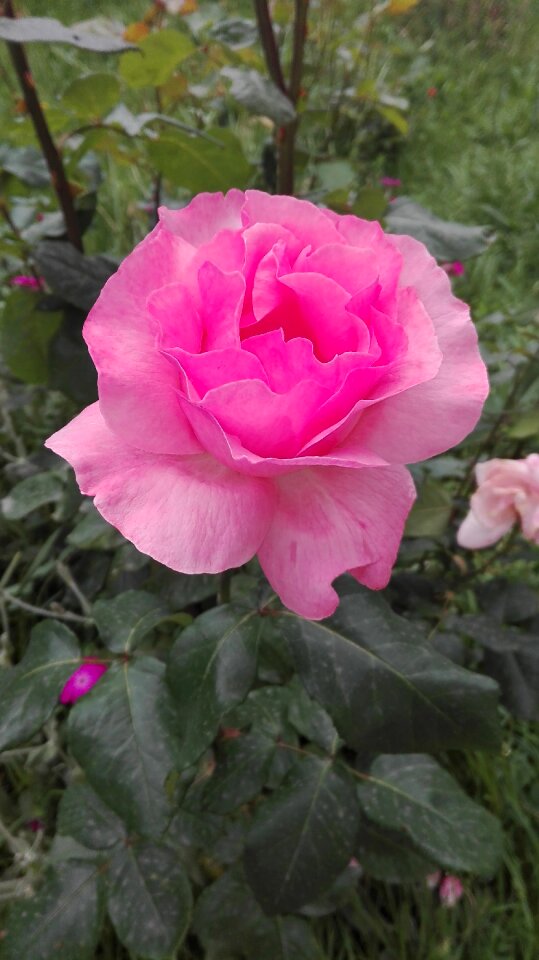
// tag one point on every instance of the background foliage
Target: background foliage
(224, 791)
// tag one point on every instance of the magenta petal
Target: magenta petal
(328, 521)
(190, 513)
(309, 224)
(82, 680)
(204, 216)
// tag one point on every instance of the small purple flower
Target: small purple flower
(82, 681)
(36, 825)
(23, 280)
(450, 891)
(390, 182)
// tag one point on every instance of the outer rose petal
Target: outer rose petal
(190, 513)
(475, 535)
(331, 520)
(136, 382)
(204, 216)
(308, 223)
(431, 417)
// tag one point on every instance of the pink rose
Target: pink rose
(508, 490)
(82, 680)
(266, 368)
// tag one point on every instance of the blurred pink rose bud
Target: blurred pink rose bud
(82, 681)
(507, 492)
(454, 269)
(433, 879)
(450, 892)
(390, 182)
(34, 283)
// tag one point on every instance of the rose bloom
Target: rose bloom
(266, 368)
(507, 492)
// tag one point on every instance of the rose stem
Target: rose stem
(53, 159)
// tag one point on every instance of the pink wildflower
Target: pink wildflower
(23, 280)
(390, 182)
(432, 92)
(82, 681)
(454, 269)
(450, 892)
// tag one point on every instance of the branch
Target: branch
(50, 152)
(269, 44)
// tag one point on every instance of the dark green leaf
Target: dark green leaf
(29, 692)
(384, 687)
(126, 619)
(92, 96)
(302, 836)
(70, 366)
(247, 929)
(196, 164)
(259, 95)
(416, 797)
(83, 816)
(370, 203)
(311, 720)
(239, 775)
(120, 735)
(431, 512)
(31, 493)
(211, 668)
(508, 601)
(389, 856)
(445, 240)
(63, 919)
(149, 900)
(159, 55)
(47, 30)
(25, 334)
(71, 275)
(517, 672)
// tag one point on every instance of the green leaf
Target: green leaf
(259, 95)
(25, 163)
(149, 900)
(29, 692)
(70, 366)
(394, 117)
(71, 275)
(246, 927)
(302, 837)
(431, 512)
(235, 32)
(444, 239)
(517, 672)
(160, 54)
(370, 203)
(336, 174)
(31, 493)
(120, 734)
(196, 164)
(240, 772)
(211, 668)
(25, 334)
(524, 426)
(63, 919)
(416, 797)
(83, 816)
(47, 30)
(384, 687)
(126, 619)
(92, 96)
(389, 856)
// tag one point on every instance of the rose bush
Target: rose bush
(266, 369)
(507, 492)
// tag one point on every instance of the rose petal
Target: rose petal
(190, 513)
(204, 216)
(330, 521)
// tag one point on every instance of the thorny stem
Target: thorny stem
(53, 159)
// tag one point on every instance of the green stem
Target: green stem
(225, 581)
